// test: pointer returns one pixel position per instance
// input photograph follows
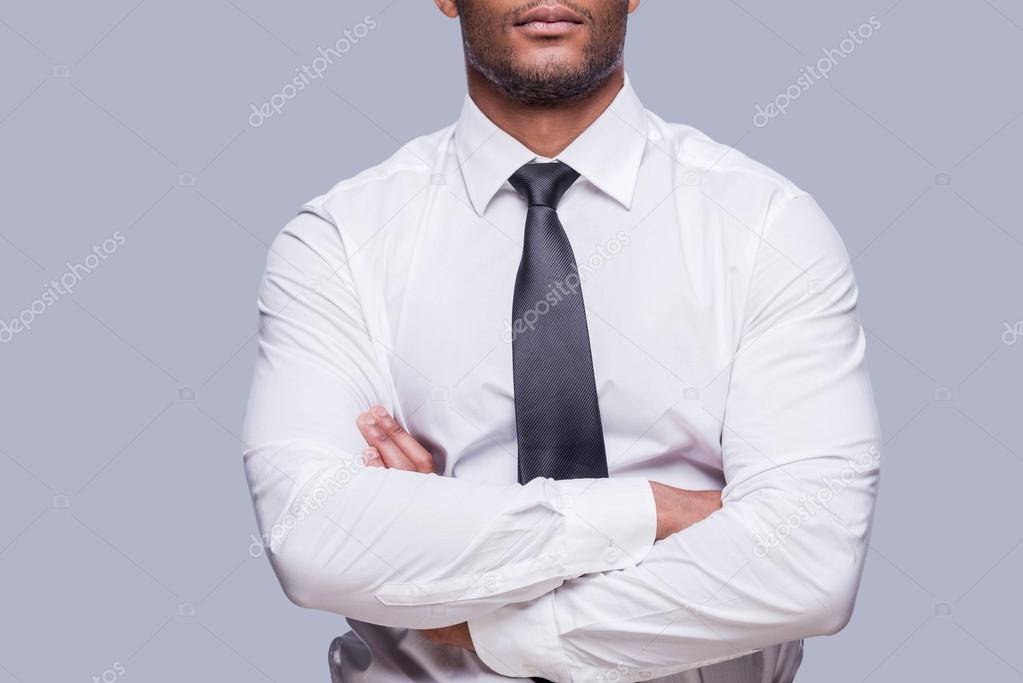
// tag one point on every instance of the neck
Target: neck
(548, 128)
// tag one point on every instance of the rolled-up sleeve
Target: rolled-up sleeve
(783, 558)
(387, 546)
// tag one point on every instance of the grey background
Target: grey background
(125, 523)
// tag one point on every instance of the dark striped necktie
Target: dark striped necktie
(557, 417)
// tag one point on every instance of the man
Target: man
(609, 372)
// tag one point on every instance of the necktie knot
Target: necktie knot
(544, 184)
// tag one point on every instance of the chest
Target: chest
(661, 326)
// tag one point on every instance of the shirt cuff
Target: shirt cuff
(608, 523)
(521, 641)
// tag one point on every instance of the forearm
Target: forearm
(391, 447)
(414, 550)
(718, 590)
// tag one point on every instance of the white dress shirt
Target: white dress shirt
(727, 353)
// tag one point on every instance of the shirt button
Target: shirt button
(610, 555)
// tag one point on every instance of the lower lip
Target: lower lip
(549, 28)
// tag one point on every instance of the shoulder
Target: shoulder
(338, 222)
(384, 189)
(753, 192)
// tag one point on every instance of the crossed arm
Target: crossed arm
(388, 445)
(565, 579)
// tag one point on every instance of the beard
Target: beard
(556, 80)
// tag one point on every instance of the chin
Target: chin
(554, 57)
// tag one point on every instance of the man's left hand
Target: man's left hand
(453, 636)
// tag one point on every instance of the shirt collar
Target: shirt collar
(607, 154)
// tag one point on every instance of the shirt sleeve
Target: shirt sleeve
(782, 559)
(386, 546)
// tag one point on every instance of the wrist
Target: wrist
(667, 523)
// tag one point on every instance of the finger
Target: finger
(412, 449)
(371, 457)
(379, 438)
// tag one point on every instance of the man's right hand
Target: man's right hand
(681, 508)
